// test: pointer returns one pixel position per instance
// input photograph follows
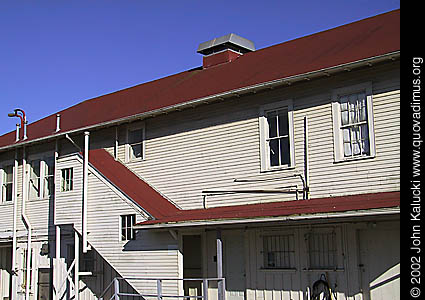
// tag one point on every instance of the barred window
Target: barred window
(322, 250)
(279, 251)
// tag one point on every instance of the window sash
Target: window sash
(277, 136)
(135, 143)
(353, 122)
(127, 230)
(6, 184)
(67, 179)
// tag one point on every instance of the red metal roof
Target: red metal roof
(165, 212)
(131, 185)
(360, 40)
(286, 208)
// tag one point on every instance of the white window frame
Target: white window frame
(2, 181)
(336, 117)
(131, 226)
(128, 155)
(264, 135)
(67, 187)
(43, 176)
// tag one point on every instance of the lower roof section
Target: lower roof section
(341, 206)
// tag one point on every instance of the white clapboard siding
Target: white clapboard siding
(293, 284)
(150, 255)
(208, 147)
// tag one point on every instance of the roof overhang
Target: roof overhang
(221, 96)
(258, 221)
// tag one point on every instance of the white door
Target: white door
(380, 263)
(234, 265)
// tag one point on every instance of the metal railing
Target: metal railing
(114, 287)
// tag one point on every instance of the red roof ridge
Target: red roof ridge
(368, 38)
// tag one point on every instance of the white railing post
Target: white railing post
(116, 289)
(205, 288)
(159, 289)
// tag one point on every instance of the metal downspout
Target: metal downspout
(15, 214)
(27, 225)
(85, 188)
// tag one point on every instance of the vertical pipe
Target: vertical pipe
(58, 235)
(76, 265)
(26, 222)
(205, 288)
(58, 120)
(34, 274)
(221, 288)
(56, 269)
(306, 161)
(116, 143)
(15, 214)
(17, 132)
(85, 188)
(159, 289)
(116, 289)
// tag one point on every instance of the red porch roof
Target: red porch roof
(357, 41)
(165, 212)
(286, 208)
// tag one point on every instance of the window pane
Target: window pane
(136, 151)
(274, 152)
(283, 122)
(272, 121)
(9, 192)
(347, 149)
(135, 136)
(284, 151)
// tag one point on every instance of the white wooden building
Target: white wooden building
(258, 174)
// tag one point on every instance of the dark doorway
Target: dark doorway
(192, 264)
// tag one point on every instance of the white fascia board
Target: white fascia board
(321, 216)
(191, 103)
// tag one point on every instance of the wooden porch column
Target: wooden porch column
(221, 284)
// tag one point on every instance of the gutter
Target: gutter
(236, 92)
(318, 216)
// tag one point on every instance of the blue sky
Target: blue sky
(54, 54)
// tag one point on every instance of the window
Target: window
(322, 249)
(135, 143)
(6, 183)
(34, 179)
(353, 122)
(66, 180)
(279, 251)
(276, 134)
(41, 178)
(49, 177)
(127, 231)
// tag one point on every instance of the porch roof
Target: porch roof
(370, 203)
